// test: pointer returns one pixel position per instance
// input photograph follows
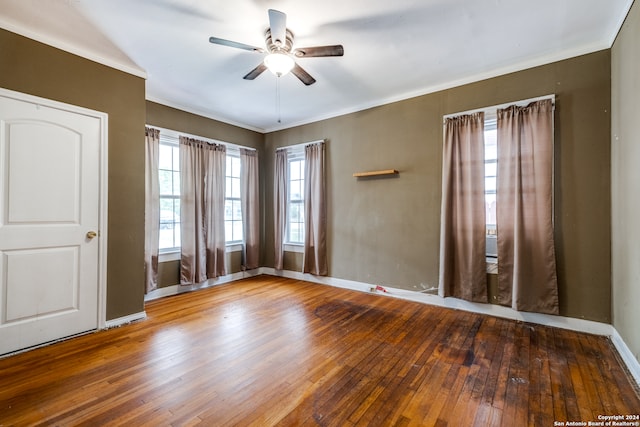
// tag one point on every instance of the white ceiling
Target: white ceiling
(393, 49)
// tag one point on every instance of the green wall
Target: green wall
(386, 230)
(31, 67)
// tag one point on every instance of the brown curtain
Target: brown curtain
(527, 278)
(202, 187)
(250, 200)
(315, 211)
(463, 271)
(151, 208)
(279, 207)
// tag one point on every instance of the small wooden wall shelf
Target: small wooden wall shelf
(376, 173)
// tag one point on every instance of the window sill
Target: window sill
(234, 247)
(292, 247)
(175, 256)
(169, 256)
(492, 265)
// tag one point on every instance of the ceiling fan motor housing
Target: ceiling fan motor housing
(279, 46)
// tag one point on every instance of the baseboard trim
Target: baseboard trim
(627, 355)
(180, 289)
(114, 323)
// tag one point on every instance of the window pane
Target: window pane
(296, 190)
(490, 184)
(237, 231)
(165, 156)
(227, 187)
(490, 152)
(237, 210)
(176, 183)
(294, 233)
(490, 144)
(166, 209)
(228, 231)
(294, 170)
(166, 238)
(228, 166)
(293, 212)
(176, 209)
(166, 182)
(235, 169)
(490, 205)
(176, 158)
(235, 188)
(490, 169)
(228, 210)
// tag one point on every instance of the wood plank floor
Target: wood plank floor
(269, 351)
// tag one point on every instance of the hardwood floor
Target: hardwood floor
(270, 351)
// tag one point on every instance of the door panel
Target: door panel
(28, 296)
(49, 201)
(33, 147)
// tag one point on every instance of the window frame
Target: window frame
(170, 142)
(234, 154)
(491, 233)
(295, 155)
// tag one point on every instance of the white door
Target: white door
(49, 221)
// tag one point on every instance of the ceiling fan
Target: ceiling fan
(281, 54)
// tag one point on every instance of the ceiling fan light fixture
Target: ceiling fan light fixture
(279, 63)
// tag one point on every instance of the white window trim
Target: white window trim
(171, 136)
(233, 152)
(234, 247)
(294, 153)
(293, 247)
(169, 256)
(168, 140)
(173, 255)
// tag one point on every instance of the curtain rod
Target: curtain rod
(302, 144)
(176, 134)
(507, 104)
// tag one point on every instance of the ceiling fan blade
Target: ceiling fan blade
(278, 26)
(304, 77)
(223, 42)
(315, 51)
(255, 72)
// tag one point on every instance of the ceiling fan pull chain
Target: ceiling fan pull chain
(278, 99)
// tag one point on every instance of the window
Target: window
(232, 204)
(169, 176)
(490, 174)
(295, 202)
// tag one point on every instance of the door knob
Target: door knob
(91, 235)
